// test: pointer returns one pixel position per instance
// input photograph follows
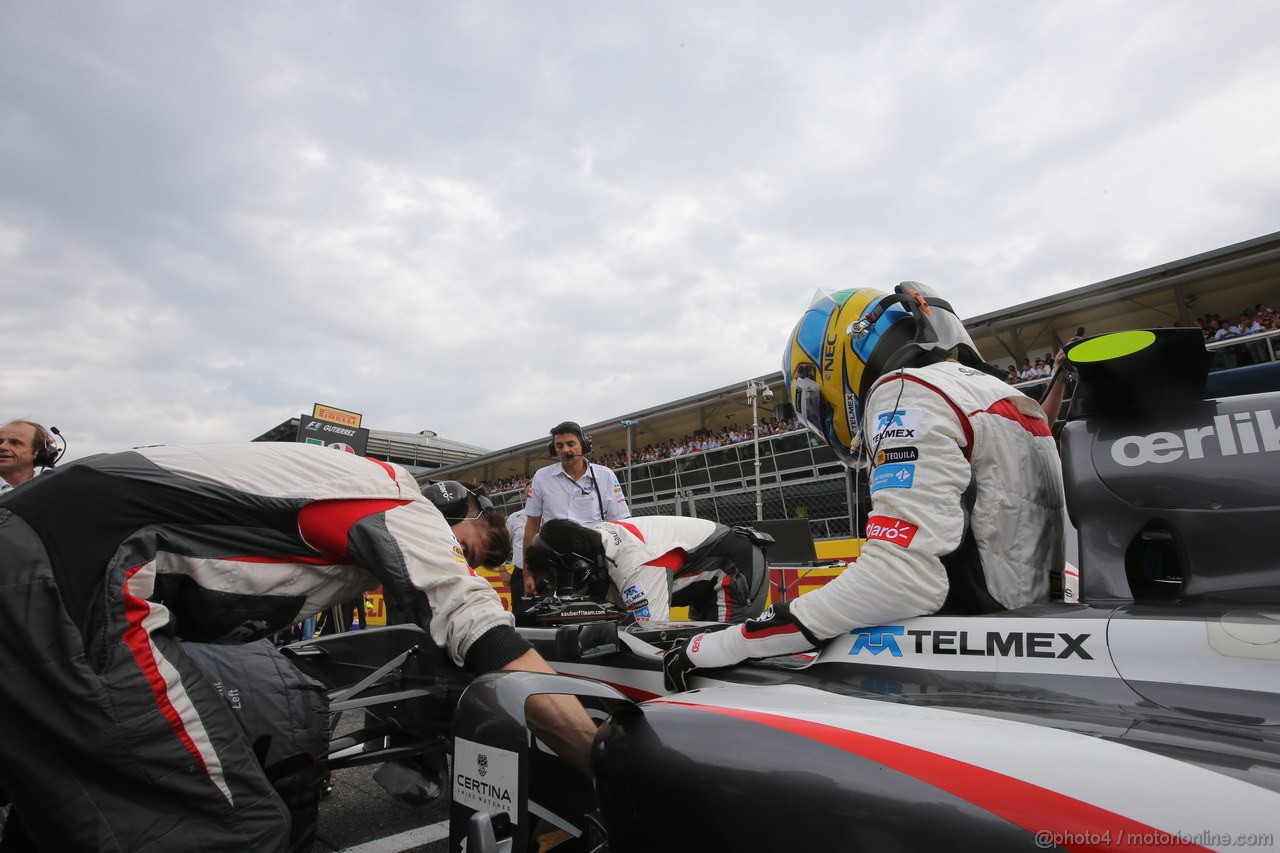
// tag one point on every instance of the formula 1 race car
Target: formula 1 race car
(1146, 715)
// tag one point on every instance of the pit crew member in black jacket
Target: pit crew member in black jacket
(655, 562)
(110, 739)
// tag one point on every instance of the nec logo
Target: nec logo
(877, 640)
(829, 355)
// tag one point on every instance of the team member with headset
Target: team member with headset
(24, 447)
(576, 489)
(966, 485)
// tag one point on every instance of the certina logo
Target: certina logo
(482, 761)
(1016, 644)
(1228, 435)
(895, 424)
(483, 789)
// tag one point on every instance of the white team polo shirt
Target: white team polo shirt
(557, 495)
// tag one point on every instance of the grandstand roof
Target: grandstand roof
(419, 452)
(1224, 281)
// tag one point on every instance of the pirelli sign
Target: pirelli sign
(336, 428)
(336, 416)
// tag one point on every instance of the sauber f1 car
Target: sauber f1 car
(1145, 716)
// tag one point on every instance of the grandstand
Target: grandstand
(801, 478)
(798, 476)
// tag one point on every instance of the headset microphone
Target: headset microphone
(48, 455)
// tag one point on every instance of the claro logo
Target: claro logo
(1228, 435)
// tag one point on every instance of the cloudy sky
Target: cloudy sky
(481, 218)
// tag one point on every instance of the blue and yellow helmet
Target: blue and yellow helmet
(838, 349)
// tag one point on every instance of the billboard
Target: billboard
(328, 434)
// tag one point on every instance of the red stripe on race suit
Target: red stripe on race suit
(752, 633)
(673, 559)
(137, 640)
(635, 531)
(1038, 810)
(391, 472)
(324, 525)
(1032, 424)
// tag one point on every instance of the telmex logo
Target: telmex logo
(1228, 435)
(893, 424)
(893, 418)
(1017, 644)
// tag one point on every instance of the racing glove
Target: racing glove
(676, 665)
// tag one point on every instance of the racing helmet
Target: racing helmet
(848, 339)
(453, 500)
(568, 558)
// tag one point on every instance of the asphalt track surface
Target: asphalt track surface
(360, 817)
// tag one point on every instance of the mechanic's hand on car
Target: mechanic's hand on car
(676, 666)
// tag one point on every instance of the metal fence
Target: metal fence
(800, 477)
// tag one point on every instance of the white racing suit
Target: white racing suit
(966, 515)
(656, 562)
(110, 739)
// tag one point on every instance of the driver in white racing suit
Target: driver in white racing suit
(657, 561)
(966, 484)
(110, 737)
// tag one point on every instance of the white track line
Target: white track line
(404, 840)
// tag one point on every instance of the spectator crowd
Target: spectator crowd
(1251, 321)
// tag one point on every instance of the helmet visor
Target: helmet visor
(811, 410)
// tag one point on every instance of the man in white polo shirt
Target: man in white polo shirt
(575, 489)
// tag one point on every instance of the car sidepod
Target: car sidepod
(794, 768)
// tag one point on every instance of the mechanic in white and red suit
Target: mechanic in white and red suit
(966, 484)
(658, 561)
(110, 736)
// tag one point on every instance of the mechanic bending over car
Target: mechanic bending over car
(654, 562)
(110, 739)
(966, 485)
